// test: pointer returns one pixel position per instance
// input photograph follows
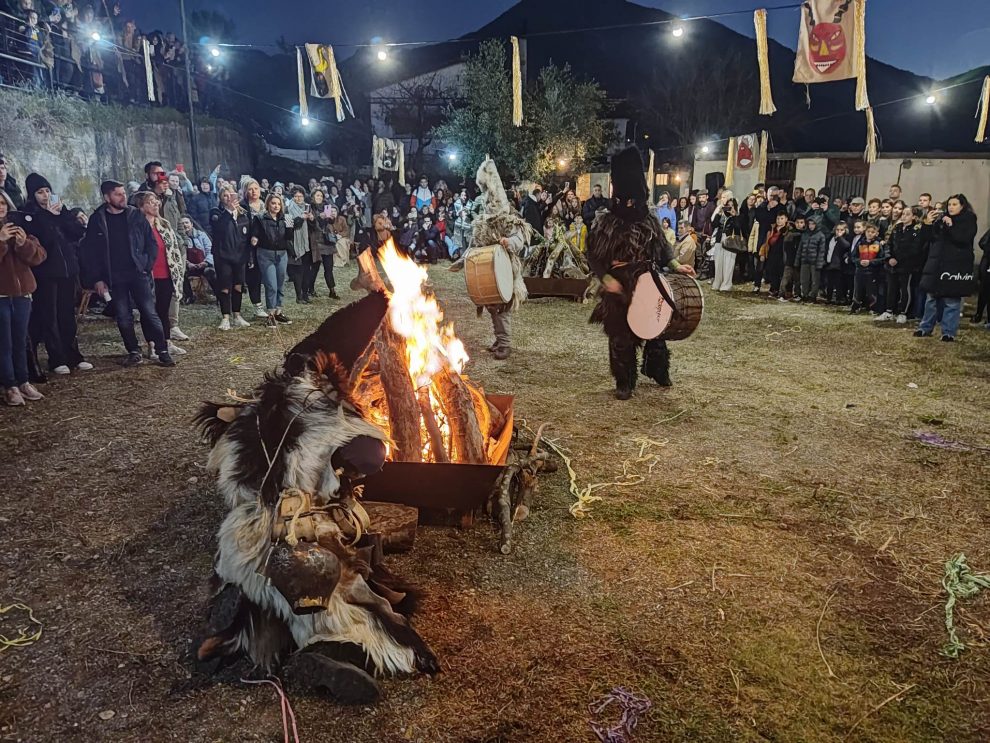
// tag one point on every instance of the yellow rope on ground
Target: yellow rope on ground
(23, 639)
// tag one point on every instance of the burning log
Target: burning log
(403, 408)
(437, 447)
(458, 405)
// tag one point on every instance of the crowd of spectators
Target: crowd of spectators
(166, 240)
(91, 50)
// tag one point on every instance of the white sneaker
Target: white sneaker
(884, 317)
(224, 324)
(12, 396)
(175, 350)
(259, 311)
(240, 322)
(901, 319)
(781, 299)
(28, 392)
(176, 334)
(60, 369)
(84, 366)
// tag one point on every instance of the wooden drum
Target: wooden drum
(650, 314)
(488, 272)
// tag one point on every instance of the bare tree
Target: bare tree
(413, 108)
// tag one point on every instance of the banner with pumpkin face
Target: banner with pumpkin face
(827, 42)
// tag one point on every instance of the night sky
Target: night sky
(916, 35)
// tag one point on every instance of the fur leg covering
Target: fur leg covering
(656, 362)
(622, 361)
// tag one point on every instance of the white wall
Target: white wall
(940, 178)
(810, 172)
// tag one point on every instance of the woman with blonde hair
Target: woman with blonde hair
(170, 264)
(272, 235)
(230, 225)
(725, 223)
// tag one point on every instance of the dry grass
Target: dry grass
(786, 475)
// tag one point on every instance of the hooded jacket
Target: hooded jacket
(231, 235)
(94, 250)
(812, 249)
(949, 269)
(57, 233)
(10, 187)
(16, 262)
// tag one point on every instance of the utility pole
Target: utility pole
(189, 93)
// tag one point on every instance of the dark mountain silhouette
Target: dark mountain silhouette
(622, 60)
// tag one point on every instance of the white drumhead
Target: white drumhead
(649, 313)
(503, 273)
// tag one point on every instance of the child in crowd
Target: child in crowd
(836, 258)
(811, 257)
(903, 256)
(873, 211)
(868, 259)
(790, 284)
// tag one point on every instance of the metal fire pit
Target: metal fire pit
(445, 494)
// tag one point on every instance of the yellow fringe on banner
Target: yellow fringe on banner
(761, 176)
(333, 76)
(301, 74)
(871, 137)
(149, 76)
(650, 177)
(517, 112)
(981, 128)
(730, 164)
(763, 58)
(402, 162)
(862, 98)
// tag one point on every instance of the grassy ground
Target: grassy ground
(787, 525)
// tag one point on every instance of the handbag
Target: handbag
(734, 244)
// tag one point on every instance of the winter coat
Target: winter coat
(701, 219)
(231, 235)
(907, 246)
(198, 248)
(16, 262)
(322, 238)
(772, 250)
(532, 212)
(94, 250)
(840, 253)
(200, 205)
(766, 216)
(173, 206)
(685, 250)
(10, 187)
(274, 234)
(949, 269)
(664, 212)
(865, 250)
(383, 202)
(792, 241)
(175, 254)
(59, 235)
(591, 207)
(812, 249)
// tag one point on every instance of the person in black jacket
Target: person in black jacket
(230, 226)
(271, 234)
(53, 308)
(532, 210)
(427, 249)
(836, 258)
(904, 255)
(592, 205)
(116, 257)
(948, 273)
(983, 300)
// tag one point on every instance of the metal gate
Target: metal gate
(846, 186)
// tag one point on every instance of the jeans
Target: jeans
(53, 321)
(951, 310)
(139, 293)
(273, 265)
(14, 315)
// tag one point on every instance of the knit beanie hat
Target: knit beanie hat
(628, 175)
(36, 182)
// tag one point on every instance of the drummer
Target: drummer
(623, 244)
(499, 224)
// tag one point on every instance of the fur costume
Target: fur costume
(496, 220)
(625, 242)
(296, 580)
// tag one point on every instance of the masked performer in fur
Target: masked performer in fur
(497, 223)
(298, 580)
(624, 243)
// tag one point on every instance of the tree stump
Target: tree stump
(397, 524)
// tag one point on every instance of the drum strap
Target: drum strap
(655, 273)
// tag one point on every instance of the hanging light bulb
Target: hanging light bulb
(931, 99)
(95, 36)
(214, 51)
(382, 55)
(677, 32)
(305, 121)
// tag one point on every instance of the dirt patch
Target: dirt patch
(783, 478)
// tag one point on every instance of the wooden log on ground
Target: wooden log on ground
(403, 408)
(458, 404)
(396, 523)
(430, 422)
